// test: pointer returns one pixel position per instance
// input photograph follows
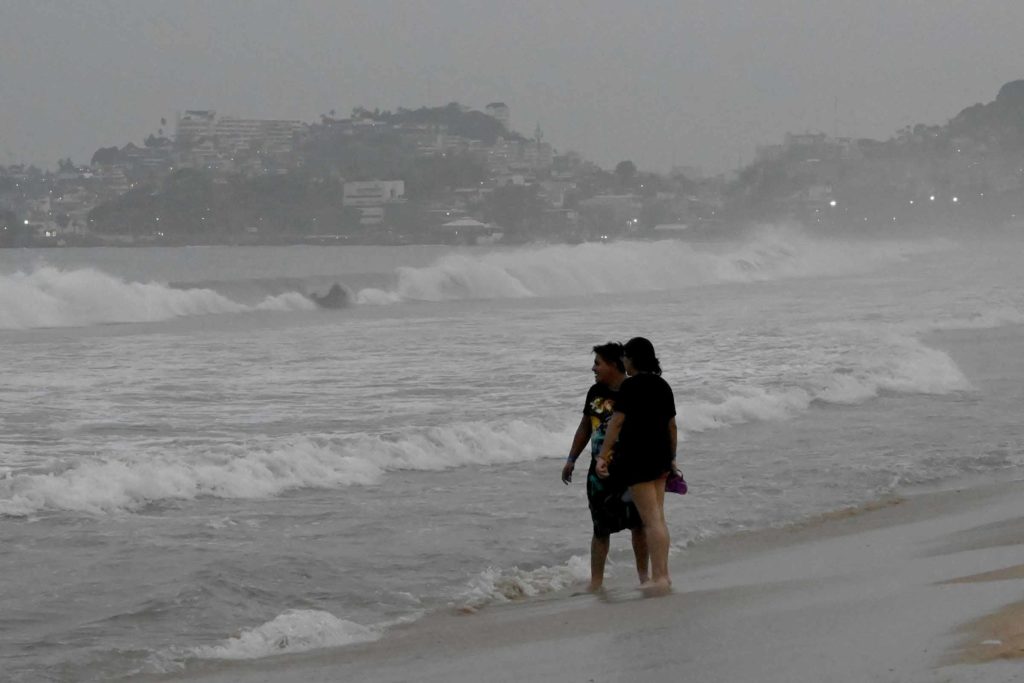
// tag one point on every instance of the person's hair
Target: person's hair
(641, 354)
(611, 353)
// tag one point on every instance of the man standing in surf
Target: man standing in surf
(608, 511)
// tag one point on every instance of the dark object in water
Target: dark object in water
(336, 297)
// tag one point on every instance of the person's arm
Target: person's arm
(673, 439)
(611, 435)
(579, 442)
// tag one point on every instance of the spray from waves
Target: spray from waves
(132, 479)
(51, 297)
(557, 270)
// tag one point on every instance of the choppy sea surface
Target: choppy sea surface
(198, 463)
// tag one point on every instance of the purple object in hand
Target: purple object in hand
(675, 483)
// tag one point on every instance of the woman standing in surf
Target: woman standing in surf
(642, 437)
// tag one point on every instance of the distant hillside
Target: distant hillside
(999, 124)
(966, 170)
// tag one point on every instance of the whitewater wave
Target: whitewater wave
(903, 365)
(505, 585)
(52, 297)
(290, 632)
(773, 253)
(134, 479)
(130, 479)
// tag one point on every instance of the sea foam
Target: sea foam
(505, 585)
(52, 297)
(130, 480)
(290, 632)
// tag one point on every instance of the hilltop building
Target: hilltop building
(500, 111)
(204, 140)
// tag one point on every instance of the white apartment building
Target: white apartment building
(372, 192)
(232, 136)
(268, 136)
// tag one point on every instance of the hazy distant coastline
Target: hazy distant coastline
(455, 175)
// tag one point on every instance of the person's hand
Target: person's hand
(567, 472)
(602, 468)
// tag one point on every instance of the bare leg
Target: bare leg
(650, 504)
(598, 554)
(641, 554)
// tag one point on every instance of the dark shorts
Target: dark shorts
(607, 509)
(629, 469)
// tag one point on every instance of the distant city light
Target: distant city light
(832, 203)
(26, 221)
(956, 199)
(911, 201)
(932, 198)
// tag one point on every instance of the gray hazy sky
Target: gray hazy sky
(690, 82)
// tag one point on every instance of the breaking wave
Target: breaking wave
(130, 481)
(773, 253)
(52, 297)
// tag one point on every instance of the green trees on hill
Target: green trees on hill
(456, 120)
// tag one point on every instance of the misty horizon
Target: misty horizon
(661, 84)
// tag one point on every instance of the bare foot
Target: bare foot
(595, 588)
(656, 588)
(644, 578)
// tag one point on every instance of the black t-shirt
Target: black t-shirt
(599, 406)
(647, 402)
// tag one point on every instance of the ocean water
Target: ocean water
(197, 464)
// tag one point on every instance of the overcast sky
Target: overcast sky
(688, 82)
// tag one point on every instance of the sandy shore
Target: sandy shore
(925, 589)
